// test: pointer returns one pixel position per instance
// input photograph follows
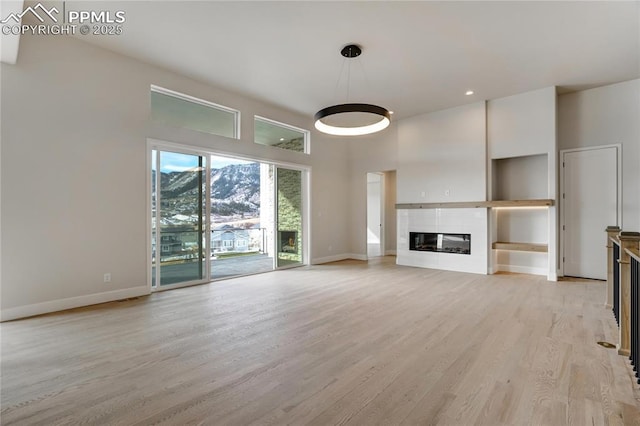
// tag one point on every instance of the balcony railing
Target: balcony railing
(185, 245)
(616, 281)
(635, 314)
(623, 291)
(238, 240)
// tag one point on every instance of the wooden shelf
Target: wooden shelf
(538, 248)
(477, 204)
(522, 203)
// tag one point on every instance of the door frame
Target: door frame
(159, 145)
(304, 215)
(382, 205)
(618, 148)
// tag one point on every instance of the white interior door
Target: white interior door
(374, 214)
(590, 204)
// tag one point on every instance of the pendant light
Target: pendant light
(352, 119)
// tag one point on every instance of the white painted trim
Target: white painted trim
(198, 150)
(10, 43)
(523, 270)
(307, 217)
(329, 259)
(149, 163)
(160, 145)
(203, 102)
(383, 217)
(560, 269)
(71, 302)
(390, 252)
(381, 207)
(306, 133)
(338, 257)
(305, 188)
(355, 256)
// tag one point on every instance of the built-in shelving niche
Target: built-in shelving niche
(519, 235)
(520, 178)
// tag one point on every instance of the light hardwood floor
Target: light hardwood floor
(344, 343)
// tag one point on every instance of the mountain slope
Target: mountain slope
(235, 190)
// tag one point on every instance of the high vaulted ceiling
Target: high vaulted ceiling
(417, 56)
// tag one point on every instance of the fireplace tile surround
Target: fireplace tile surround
(472, 221)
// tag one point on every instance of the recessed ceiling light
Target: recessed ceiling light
(281, 139)
(390, 112)
(469, 92)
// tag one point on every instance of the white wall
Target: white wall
(523, 124)
(74, 172)
(443, 151)
(374, 214)
(441, 158)
(390, 213)
(603, 116)
(522, 128)
(367, 154)
(520, 178)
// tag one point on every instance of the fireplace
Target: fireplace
(287, 241)
(440, 242)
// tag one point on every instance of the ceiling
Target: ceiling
(417, 56)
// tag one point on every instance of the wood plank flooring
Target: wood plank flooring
(345, 343)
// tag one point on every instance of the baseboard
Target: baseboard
(329, 259)
(390, 252)
(70, 303)
(522, 270)
(337, 258)
(358, 256)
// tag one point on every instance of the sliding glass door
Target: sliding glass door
(215, 217)
(178, 218)
(289, 214)
(241, 222)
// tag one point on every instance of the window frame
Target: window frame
(188, 98)
(306, 133)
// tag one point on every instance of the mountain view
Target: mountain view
(235, 191)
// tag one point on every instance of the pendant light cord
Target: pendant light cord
(335, 90)
(348, 80)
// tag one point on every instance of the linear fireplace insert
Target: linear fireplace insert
(440, 242)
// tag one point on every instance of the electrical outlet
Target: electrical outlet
(446, 192)
(107, 277)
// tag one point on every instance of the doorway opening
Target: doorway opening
(375, 214)
(381, 214)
